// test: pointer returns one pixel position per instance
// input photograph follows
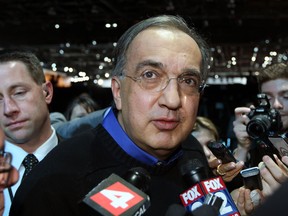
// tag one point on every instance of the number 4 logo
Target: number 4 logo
(117, 198)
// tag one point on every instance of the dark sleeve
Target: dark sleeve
(57, 183)
(43, 199)
(274, 204)
(70, 128)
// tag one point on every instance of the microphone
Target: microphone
(205, 190)
(178, 210)
(121, 196)
(205, 209)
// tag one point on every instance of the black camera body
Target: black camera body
(264, 121)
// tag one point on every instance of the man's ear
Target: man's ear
(48, 91)
(116, 91)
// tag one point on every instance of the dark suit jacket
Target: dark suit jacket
(67, 129)
(57, 184)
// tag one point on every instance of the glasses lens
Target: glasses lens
(188, 84)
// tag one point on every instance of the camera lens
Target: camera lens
(258, 126)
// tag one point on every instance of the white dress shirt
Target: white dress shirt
(18, 155)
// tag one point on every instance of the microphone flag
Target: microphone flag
(115, 196)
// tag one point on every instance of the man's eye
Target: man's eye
(19, 93)
(149, 75)
(285, 96)
(189, 81)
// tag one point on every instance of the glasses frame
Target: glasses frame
(201, 87)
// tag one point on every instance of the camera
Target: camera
(264, 121)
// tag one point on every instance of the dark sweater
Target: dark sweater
(57, 185)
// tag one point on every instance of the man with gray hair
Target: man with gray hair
(160, 70)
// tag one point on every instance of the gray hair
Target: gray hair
(163, 21)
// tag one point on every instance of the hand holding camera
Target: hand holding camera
(239, 127)
(264, 121)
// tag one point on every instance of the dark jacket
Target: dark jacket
(60, 182)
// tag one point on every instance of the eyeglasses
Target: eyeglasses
(188, 83)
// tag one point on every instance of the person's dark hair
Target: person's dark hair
(275, 71)
(29, 59)
(165, 22)
(85, 101)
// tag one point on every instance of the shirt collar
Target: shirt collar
(19, 154)
(47, 146)
(111, 124)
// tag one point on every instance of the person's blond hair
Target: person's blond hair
(207, 124)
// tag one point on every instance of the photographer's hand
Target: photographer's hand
(285, 160)
(7, 179)
(229, 170)
(8, 174)
(241, 120)
(244, 142)
(243, 200)
(273, 175)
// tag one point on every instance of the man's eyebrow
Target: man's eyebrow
(149, 63)
(284, 91)
(160, 65)
(192, 71)
(155, 64)
(17, 85)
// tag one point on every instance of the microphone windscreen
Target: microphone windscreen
(176, 210)
(139, 177)
(205, 210)
(193, 171)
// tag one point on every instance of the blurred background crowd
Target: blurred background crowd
(74, 41)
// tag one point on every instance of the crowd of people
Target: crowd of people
(160, 72)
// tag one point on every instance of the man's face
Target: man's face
(277, 92)
(23, 105)
(158, 121)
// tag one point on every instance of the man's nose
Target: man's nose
(10, 106)
(171, 94)
(277, 104)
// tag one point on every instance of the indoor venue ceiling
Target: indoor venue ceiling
(244, 35)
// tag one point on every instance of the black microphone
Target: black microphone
(206, 210)
(121, 196)
(178, 210)
(205, 190)
(139, 177)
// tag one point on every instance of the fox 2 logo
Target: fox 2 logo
(218, 188)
